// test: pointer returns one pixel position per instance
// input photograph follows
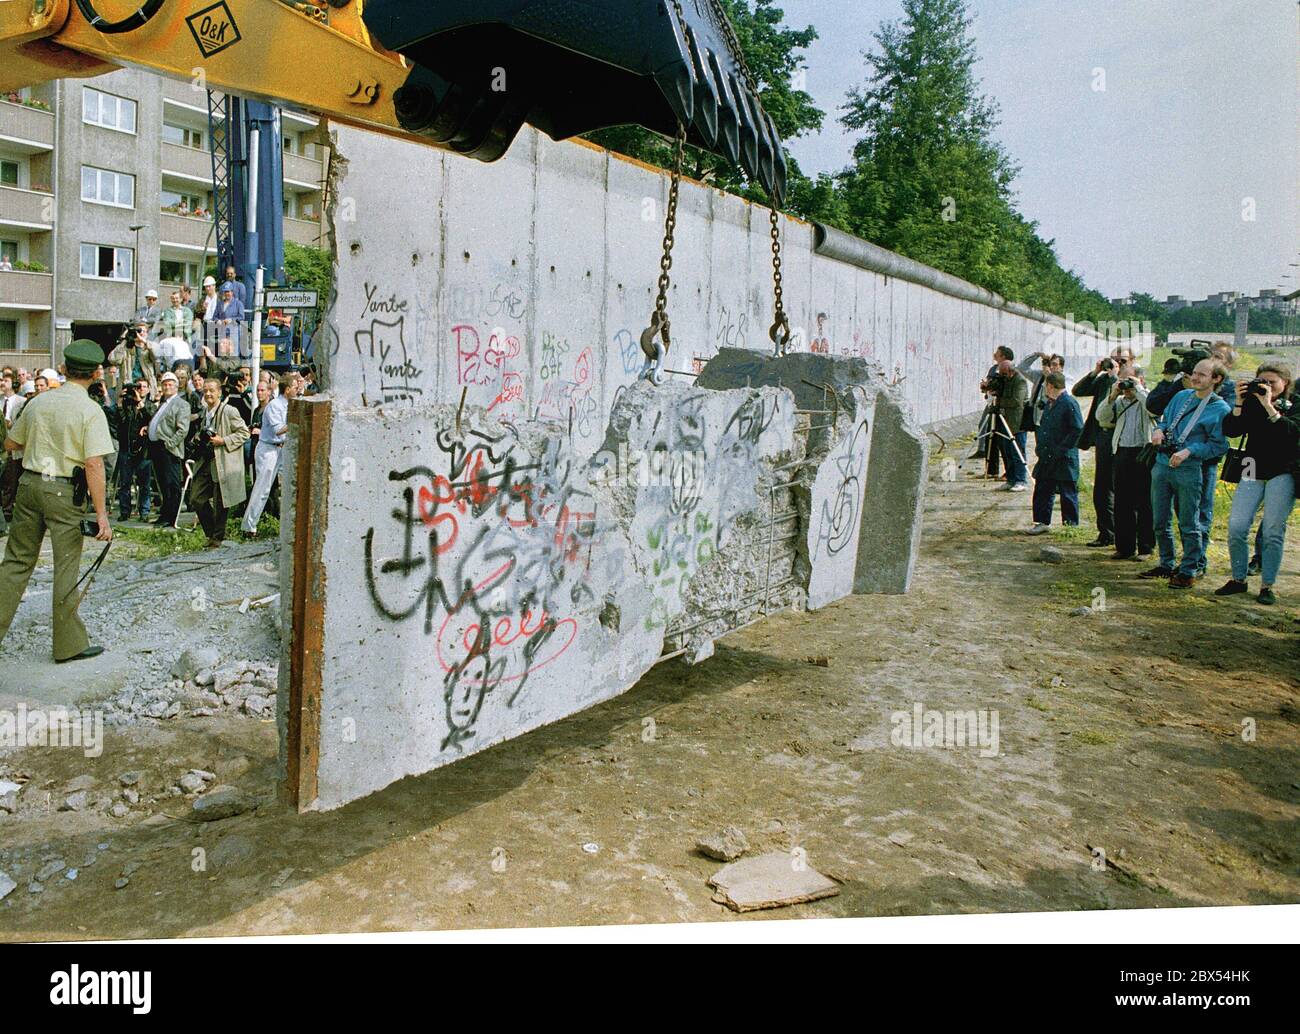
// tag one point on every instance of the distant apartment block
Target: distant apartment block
(1268, 298)
(82, 161)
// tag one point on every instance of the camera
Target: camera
(1108, 366)
(1260, 388)
(90, 527)
(1128, 384)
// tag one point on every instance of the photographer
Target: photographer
(133, 466)
(1012, 390)
(1188, 438)
(1123, 413)
(64, 438)
(219, 463)
(1057, 447)
(1261, 414)
(1171, 383)
(988, 445)
(1096, 385)
(133, 358)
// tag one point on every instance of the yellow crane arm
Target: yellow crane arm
(315, 59)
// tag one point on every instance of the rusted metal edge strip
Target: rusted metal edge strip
(311, 418)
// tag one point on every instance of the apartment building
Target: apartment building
(106, 192)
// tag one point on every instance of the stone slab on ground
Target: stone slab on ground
(769, 881)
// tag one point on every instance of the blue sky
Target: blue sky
(1144, 185)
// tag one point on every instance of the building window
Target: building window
(174, 271)
(103, 109)
(107, 188)
(180, 202)
(9, 250)
(9, 335)
(104, 262)
(8, 173)
(182, 136)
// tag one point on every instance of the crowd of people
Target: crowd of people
(208, 333)
(1160, 451)
(212, 441)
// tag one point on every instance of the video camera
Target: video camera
(1192, 355)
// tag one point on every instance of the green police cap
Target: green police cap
(83, 353)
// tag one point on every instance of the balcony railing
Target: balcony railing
(303, 231)
(30, 209)
(25, 122)
(302, 170)
(190, 162)
(187, 230)
(22, 291)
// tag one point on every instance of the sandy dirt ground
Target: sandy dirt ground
(1125, 730)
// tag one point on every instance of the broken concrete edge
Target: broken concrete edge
(887, 522)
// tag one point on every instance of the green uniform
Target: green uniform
(58, 430)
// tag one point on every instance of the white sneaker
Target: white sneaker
(1039, 529)
(1018, 488)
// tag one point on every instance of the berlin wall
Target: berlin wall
(507, 523)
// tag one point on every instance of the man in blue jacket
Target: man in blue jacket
(1056, 443)
(1188, 438)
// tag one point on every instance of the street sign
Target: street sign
(280, 298)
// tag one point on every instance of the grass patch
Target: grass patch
(1093, 738)
(1037, 704)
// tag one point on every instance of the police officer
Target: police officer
(60, 433)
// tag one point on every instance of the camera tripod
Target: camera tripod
(994, 425)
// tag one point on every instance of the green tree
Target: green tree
(775, 55)
(308, 268)
(930, 181)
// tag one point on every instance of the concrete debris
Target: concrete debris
(192, 782)
(51, 868)
(9, 803)
(120, 882)
(769, 881)
(119, 810)
(1051, 555)
(7, 885)
(726, 846)
(819, 662)
(7, 787)
(78, 801)
(1081, 612)
(222, 802)
(193, 661)
(129, 778)
(901, 838)
(591, 848)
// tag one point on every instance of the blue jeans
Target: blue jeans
(1178, 489)
(1277, 496)
(138, 470)
(1017, 472)
(1209, 480)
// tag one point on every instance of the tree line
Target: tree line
(928, 180)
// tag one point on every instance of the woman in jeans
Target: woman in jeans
(1262, 413)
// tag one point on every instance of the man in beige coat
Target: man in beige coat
(219, 474)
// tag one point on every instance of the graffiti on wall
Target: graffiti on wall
(381, 345)
(490, 548)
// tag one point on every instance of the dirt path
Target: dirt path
(1120, 730)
